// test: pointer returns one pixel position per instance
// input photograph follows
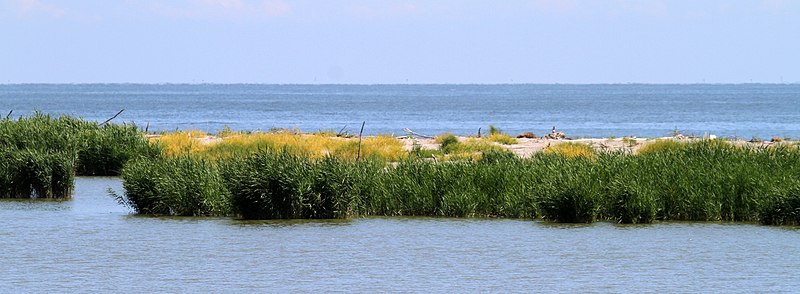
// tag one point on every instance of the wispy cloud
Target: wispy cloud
(215, 9)
(555, 5)
(235, 5)
(276, 8)
(383, 9)
(27, 8)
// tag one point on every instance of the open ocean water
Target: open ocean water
(643, 110)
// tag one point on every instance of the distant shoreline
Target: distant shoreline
(797, 83)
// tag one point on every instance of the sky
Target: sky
(397, 42)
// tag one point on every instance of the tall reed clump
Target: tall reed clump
(630, 198)
(782, 207)
(702, 180)
(102, 151)
(496, 185)
(99, 150)
(31, 173)
(282, 185)
(184, 186)
(567, 188)
(43, 132)
(43, 153)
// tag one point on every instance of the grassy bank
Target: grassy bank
(41, 154)
(286, 174)
(228, 144)
(703, 181)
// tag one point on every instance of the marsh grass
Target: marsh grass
(42, 153)
(661, 146)
(310, 145)
(282, 185)
(497, 135)
(504, 139)
(103, 151)
(709, 180)
(182, 185)
(572, 150)
(32, 173)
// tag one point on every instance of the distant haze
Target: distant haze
(388, 42)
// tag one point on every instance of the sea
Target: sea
(743, 111)
(92, 244)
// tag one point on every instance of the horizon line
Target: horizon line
(395, 84)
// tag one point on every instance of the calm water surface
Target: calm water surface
(747, 110)
(93, 244)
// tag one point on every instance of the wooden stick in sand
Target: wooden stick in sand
(359, 140)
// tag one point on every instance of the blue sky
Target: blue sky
(444, 41)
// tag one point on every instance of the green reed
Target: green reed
(700, 181)
(32, 173)
(42, 153)
(176, 186)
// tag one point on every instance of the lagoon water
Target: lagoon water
(744, 111)
(92, 244)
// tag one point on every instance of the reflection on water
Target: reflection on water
(35, 204)
(91, 243)
(294, 223)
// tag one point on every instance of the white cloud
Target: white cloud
(33, 7)
(224, 4)
(276, 7)
(221, 9)
(555, 5)
(383, 9)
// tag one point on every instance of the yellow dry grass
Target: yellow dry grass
(183, 142)
(572, 150)
(502, 139)
(660, 146)
(312, 145)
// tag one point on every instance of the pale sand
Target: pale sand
(527, 147)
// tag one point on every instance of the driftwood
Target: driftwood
(418, 134)
(113, 117)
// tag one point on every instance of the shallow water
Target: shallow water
(93, 244)
(763, 110)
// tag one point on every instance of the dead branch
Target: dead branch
(113, 117)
